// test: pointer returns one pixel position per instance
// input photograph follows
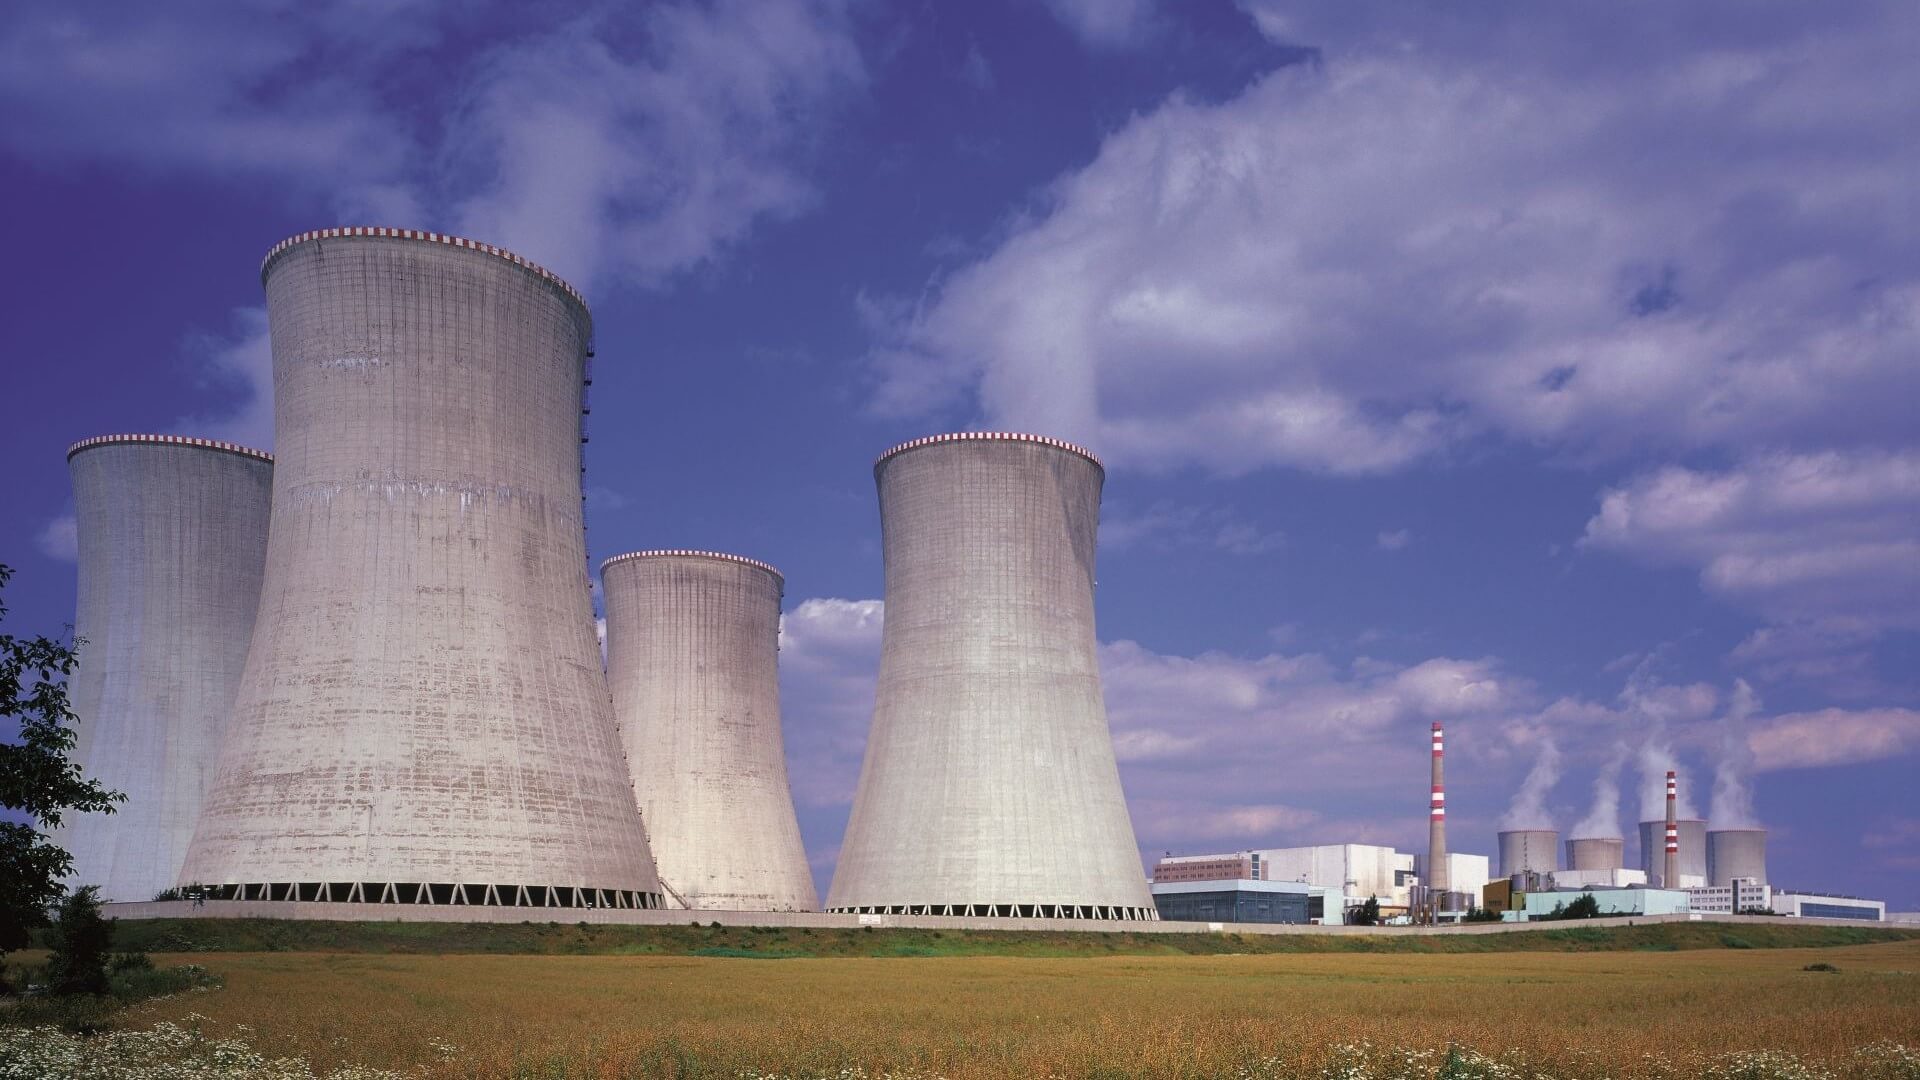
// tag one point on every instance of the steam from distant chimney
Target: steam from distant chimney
(1604, 819)
(1529, 809)
(1732, 783)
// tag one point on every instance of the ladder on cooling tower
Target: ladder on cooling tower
(648, 833)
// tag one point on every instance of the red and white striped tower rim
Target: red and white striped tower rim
(169, 440)
(688, 553)
(991, 436)
(423, 236)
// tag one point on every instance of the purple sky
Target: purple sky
(1549, 371)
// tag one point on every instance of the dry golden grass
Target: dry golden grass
(618, 1016)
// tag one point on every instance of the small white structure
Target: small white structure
(1826, 906)
(1740, 896)
(1617, 878)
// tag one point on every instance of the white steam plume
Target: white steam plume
(1603, 821)
(1732, 776)
(1656, 759)
(1529, 809)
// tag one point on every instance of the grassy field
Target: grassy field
(272, 935)
(1612, 1013)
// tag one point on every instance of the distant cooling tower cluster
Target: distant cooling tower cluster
(364, 671)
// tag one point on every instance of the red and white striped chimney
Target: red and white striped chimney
(1437, 877)
(1672, 878)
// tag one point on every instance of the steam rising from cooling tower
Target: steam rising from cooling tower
(424, 717)
(1656, 759)
(1529, 807)
(692, 642)
(1733, 770)
(173, 541)
(1603, 821)
(989, 785)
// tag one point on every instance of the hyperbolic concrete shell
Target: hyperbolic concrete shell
(423, 701)
(1598, 852)
(692, 648)
(1693, 851)
(989, 785)
(1736, 853)
(1529, 851)
(173, 539)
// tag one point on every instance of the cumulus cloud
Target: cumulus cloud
(1834, 737)
(1394, 540)
(237, 366)
(59, 539)
(1360, 264)
(829, 659)
(599, 141)
(1105, 24)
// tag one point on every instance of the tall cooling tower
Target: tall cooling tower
(1534, 851)
(1598, 852)
(692, 642)
(989, 785)
(1736, 853)
(173, 539)
(424, 718)
(1693, 852)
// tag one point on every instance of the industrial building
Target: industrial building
(1741, 896)
(1467, 873)
(692, 647)
(1246, 866)
(1812, 905)
(172, 543)
(423, 716)
(1629, 901)
(1616, 878)
(1246, 900)
(989, 785)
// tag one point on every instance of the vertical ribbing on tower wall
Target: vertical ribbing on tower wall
(173, 539)
(989, 777)
(692, 647)
(1671, 875)
(423, 699)
(1438, 880)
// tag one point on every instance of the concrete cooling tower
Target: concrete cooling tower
(692, 646)
(1535, 851)
(424, 718)
(1736, 853)
(1598, 853)
(1693, 852)
(989, 786)
(173, 539)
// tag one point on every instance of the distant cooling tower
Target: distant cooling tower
(1529, 851)
(989, 785)
(424, 718)
(1598, 853)
(173, 539)
(1693, 852)
(1736, 853)
(692, 641)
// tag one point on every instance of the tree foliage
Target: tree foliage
(81, 943)
(38, 779)
(1367, 914)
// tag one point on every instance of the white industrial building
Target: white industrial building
(1812, 905)
(1740, 896)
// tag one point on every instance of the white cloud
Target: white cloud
(1825, 542)
(238, 362)
(1834, 737)
(829, 658)
(1165, 526)
(59, 539)
(1106, 24)
(1395, 540)
(1358, 265)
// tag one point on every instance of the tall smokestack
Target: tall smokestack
(1672, 875)
(1437, 878)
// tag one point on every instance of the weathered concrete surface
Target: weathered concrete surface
(1693, 849)
(1530, 850)
(1736, 853)
(989, 775)
(173, 541)
(264, 909)
(692, 656)
(1597, 853)
(423, 700)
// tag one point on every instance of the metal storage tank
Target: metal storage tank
(1598, 853)
(989, 785)
(1736, 853)
(692, 647)
(1534, 851)
(1693, 851)
(424, 717)
(173, 540)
